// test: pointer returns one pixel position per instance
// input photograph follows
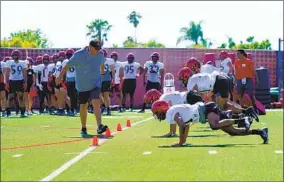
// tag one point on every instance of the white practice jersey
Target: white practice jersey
(58, 68)
(130, 70)
(51, 69)
(204, 82)
(71, 73)
(117, 66)
(34, 67)
(175, 98)
(188, 113)
(224, 65)
(2, 70)
(108, 62)
(16, 69)
(44, 72)
(153, 70)
(207, 68)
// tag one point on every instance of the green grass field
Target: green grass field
(45, 143)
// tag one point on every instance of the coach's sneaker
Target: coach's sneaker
(84, 133)
(108, 112)
(102, 129)
(3, 114)
(264, 135)
(251, 112)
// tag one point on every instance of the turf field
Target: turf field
(50, 148)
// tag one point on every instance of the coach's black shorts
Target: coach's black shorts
(16, 86)
(153, 85)
(222, 86)
(106, 86)
(92, 94)
(129, 86)
(116, 88)
(2, 87)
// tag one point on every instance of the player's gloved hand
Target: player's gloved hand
(64, 85)
(39, 86)
(7, 87)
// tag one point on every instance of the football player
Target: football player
(226, 64)
(107, 81)
(152, 70)
(117, 81)
(131, 70)
(70, 78)
(3, 92)
(16, 81)
(184, 115)
(42, 82)
(60, 89)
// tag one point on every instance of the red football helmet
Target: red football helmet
(194, 65)
(7, 58)
(39, 59)
(55, 57)
(69, 51)
(151, 96)
(223, 55)
(184, 74)
(159, 109)
(45, 57)
(61, 54)
(105, 52)
(130, 55)
(16, 52)
(114, 54)
(155, 54)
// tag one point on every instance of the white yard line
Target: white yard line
(65, 166)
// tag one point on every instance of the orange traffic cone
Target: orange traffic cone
(95, 141)
(128, 123)
(118, 128)
(108, 134)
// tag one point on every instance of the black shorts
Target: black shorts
(106, 86)
(16, 86)
(223, 86)
(84, 97)
(116, 88)
(44, 88)
(2, 87)
(29, 85)
(153, 85)
(129, 86)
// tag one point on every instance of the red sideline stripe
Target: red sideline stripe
(43, 144)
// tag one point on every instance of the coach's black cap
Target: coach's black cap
(95, 43)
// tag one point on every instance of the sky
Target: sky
(64, 23)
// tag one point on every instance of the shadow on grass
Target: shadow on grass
(210, 146)
(89, 137)
(190, 136)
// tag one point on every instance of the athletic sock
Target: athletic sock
(256, 132)
(23, 110)
(144, 106)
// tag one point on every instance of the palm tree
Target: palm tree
(99, 28)
(192, 33)
(134, 18)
